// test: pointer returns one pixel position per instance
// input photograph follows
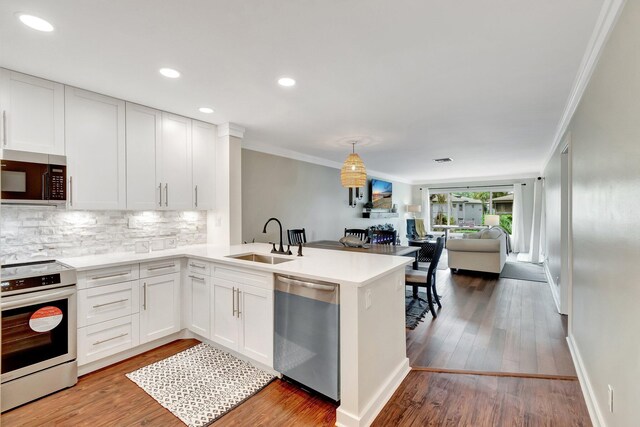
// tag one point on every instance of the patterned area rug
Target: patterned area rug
(414, 309)
(200, 384)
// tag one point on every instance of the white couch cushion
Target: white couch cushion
(492, 233)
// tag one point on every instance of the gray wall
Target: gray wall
(302, 194)
(605, 135)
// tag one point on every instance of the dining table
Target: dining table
(369, 248)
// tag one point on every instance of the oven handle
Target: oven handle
(42, 297)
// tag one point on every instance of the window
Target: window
(469, 208)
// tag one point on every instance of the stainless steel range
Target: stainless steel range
(38, 302)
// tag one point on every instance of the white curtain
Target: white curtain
(426, 209)
(517, 226)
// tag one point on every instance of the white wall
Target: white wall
(605, 135)
(29, 233)
(302, 194)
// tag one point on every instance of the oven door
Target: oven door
(38, 331)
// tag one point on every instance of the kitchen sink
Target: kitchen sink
(264, 259)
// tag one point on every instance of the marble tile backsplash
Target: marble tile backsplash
(31, 233)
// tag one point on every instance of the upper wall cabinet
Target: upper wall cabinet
(32, 113)
(204, 160)
(173, 163)
(95, 141)
(144, 131)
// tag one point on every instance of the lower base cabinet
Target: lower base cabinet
(198, 303)
(160, 306)
(242, 319)
(107, 338)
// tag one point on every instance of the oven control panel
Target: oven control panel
(30, 282)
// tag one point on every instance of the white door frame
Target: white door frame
(569, 230)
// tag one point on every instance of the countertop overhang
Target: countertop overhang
(347, 268)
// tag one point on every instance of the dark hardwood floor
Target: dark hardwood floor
(489, 325)
(441, 399)
(495, 325)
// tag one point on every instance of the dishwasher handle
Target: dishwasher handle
(318, 286)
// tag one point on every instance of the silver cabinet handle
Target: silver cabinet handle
(144, 296)
(191, 264)
(233, 301)
(160, 267)
(160, 191)
(196, 277)
(110, 303)
(4, 127)
(238, 297)
(196, 196)
(107, 276)
(166, 194)
(70, 191)
(111, 339)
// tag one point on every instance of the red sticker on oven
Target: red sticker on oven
(45, 319)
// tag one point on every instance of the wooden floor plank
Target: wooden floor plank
(440, 399)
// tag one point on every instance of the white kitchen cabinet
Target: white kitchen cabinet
(174, 163)
(95, 142)
(224, 323)
(107, 338)
(32, 113)
(160, 306)
(242, 319)
(143, 133)
(204, 165)
(256, 323)
(198, 303)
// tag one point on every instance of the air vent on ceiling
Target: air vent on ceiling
(443, 160)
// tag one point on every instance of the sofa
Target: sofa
(483, 251)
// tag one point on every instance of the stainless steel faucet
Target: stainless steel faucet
(280, 250)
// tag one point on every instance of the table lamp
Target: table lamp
(492, 220)
(413, 209)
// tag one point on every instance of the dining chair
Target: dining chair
(427, 279)
(360, 233)
(296, 236)
(383, 237)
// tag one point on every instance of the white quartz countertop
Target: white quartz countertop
(342, 267)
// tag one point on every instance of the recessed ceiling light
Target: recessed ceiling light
(206, 110)
(35, 22)
(170, 72)
(286, 81)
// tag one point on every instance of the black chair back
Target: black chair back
(297, 236)
(435, 259)
(383, 237)
(360, 233)
(411, 229)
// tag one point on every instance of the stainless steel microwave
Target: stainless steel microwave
(32, 178)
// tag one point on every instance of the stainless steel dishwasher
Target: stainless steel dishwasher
(307, 338)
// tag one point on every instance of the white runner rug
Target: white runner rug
(200, 384)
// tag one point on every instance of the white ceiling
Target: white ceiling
(482, 81)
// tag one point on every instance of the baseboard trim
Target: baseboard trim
(497, 374)
(375, 405)
(552, 286)
(585, 384)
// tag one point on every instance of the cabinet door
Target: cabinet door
(204, 165)
(95, 141)
(144, 127)
(256, 326)
(160, 306)
(32, 113)
(198, 304)
(175, 167)
(224, 322)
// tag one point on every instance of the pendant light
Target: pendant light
(353, 173)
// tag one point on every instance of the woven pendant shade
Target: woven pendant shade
(353, 174)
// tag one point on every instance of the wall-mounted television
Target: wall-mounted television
(381, 192)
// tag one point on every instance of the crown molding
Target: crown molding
(607, 19)
(230, 129)
(295, 155)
